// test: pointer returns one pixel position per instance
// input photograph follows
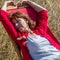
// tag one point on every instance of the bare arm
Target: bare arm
(4, 7)
(36, 7)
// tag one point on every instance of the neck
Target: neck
(30, 32)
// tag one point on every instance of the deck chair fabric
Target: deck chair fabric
(13, 33)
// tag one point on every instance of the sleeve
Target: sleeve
(42, 21)
(8, 25)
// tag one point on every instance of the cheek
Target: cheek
(25, 25)
(14, 21)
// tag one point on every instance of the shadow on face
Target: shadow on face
(20, 24)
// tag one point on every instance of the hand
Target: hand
(22, 2)
(6, 4)
(20, 38)
(9, 3)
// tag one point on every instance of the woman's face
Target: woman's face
(20, 24)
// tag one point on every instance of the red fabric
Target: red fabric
(41, 28)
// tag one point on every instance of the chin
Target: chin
(23, 30)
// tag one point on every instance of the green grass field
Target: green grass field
(8, 49)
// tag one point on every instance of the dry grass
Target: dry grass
(7, 49)
(53, 7)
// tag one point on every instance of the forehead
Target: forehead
(20, 20)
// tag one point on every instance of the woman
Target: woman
(39, 44)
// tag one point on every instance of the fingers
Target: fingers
(21, 3)
(20, 38)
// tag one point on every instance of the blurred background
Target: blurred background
(8, 49)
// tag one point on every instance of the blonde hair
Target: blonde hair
(15, 15)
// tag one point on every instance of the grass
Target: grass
(8, 49)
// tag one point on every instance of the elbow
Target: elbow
(44, 9)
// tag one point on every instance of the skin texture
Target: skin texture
(37, 7)
(22, 25)
(19, 24)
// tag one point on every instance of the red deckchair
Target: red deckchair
(13, 33)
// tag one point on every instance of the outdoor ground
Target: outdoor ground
(7, 49)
